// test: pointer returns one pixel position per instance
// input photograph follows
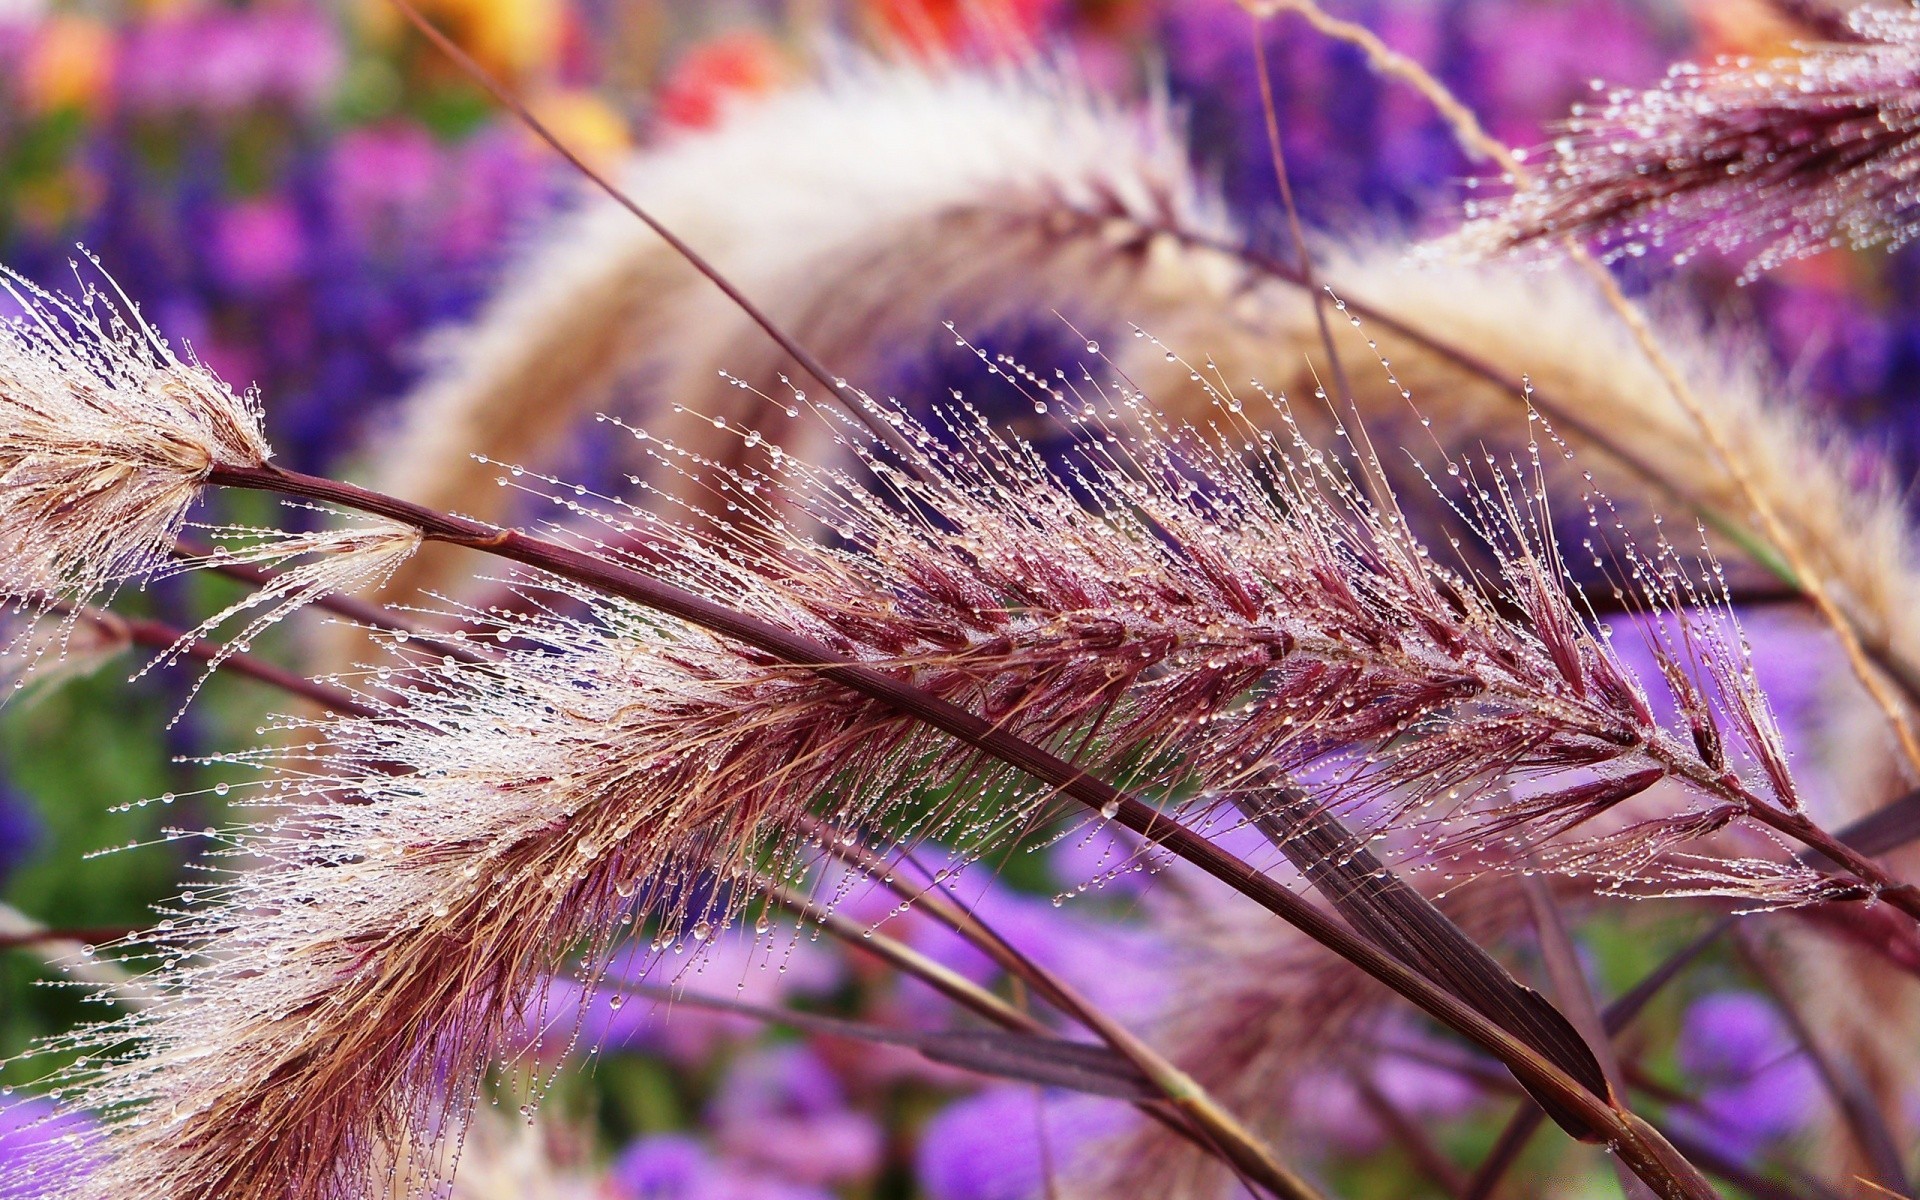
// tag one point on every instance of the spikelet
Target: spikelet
(1186, 613)
(106, 438)
(1547, 325)
(361, 554)
(1769, 161)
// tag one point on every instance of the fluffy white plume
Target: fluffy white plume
(106, 438)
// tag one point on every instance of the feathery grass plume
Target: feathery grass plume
(1768, 161)
(859, 212)
(1184, 611)
(106, 438)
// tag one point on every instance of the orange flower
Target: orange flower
(72, 61)
(508, 37)
(731, 66)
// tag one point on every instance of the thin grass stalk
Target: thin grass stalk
(849, 398)
(1271, 119)
(1570, 988)
(1431, 1161)
(956, 916)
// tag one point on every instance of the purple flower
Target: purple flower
(39, 1148)
(258, 244)
(381, 177)
(1756, 1086)
(782, 1110)
(1330, 1110)
(675, 1166)
(736, 965)
(988, 1146)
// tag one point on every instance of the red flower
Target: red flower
(732, 66)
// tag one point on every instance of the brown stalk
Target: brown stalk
(1396, 916)
(1653, 1158)
(948, 982)
(158, 635)
(1043, 1060)
(1061, 995)
(1570, 988)
(962, 920)
(93, 936)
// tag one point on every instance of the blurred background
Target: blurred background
(303, 191)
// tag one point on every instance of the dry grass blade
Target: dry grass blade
(1884, 830)
(1027, 1058)
(1408, 925)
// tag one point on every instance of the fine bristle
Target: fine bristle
(1766, 161)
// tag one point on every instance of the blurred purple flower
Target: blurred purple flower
(258, 244)
(226, 60)
(1330, 1110)
(38, 1139)
(988, 1146)
(1755, 1084)
(1536, 60)
(735, 965)
(676, 1166)
(19, 830)
(381, 177)
(783, 1110)
(1115, 964)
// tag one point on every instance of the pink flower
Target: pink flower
(381, 176)
(226, 61)
(258, 244)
